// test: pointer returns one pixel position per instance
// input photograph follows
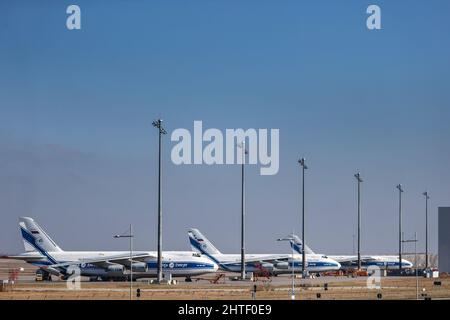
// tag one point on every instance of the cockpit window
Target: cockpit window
(196, 254)
(325, 257)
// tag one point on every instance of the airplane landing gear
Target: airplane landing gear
(42, 275)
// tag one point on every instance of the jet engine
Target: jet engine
(139, 267)
(282, 265)
(267, 266)
(116, 269)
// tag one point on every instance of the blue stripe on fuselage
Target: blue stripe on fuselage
(230, 266)
(199, 248)
(32, 241)
(180, 265)
(296, 247)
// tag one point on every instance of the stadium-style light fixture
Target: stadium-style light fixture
(359, 180)
(291, 238)
(304, 167)
(130, 236)
(244, 152)
(400, 191)
(426, 228)
(158, 124)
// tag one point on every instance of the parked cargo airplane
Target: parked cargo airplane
(272, 263)
(44, 253)
(351, 261)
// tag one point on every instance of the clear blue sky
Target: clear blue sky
(78, 153)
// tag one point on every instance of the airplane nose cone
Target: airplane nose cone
(338, 265)
(216, 267)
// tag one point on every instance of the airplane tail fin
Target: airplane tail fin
(35, 238)
(297, 245)
(200, 244)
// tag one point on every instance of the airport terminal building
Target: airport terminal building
(444, 239)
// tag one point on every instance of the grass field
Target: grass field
(275, 288)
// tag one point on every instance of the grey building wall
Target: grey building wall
(444, 239)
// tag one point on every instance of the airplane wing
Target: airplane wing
(264, 259)
(24, 258)
(106, 261)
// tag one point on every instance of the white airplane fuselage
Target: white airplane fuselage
(44, 253)
(314, 263)
(259, 263)
(176, 263)
(381, 261)
(386, 262)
